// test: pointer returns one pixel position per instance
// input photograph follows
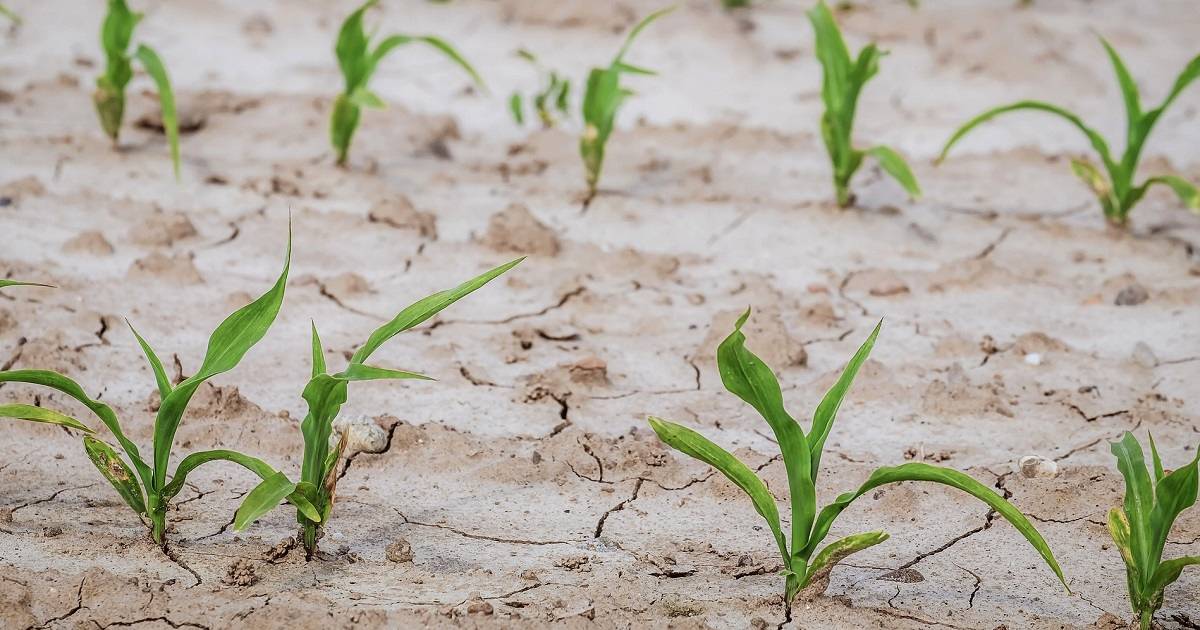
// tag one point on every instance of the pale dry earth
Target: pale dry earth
(525, 480)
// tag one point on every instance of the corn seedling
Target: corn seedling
(1141, 527)
(602, 98)
(1117, 191)
(146, 487)
(358, 61)
(842, 80)
(109, 97)
(806, 569)
(325, 395)
(549, 103)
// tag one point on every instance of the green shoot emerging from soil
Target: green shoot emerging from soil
(1141, 527)
(602, 99)
(358, 61)
(115, 36)
(549, 103)
(21, 283)
(325, 395)
(146, 487)
(843, 80)
(805, 569)
(1117, 192)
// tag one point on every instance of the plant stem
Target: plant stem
(844, 198)
(158, 527)
(1147, 619)
(309, 534)
(791, 588)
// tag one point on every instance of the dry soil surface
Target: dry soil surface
(526, 482)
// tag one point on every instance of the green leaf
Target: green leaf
(1129, 89)
(817, 576)
(318, 353)
(826, 412)
(197, 459)
(1139, 499)
(20, 283)
(1096, 139)
(40, 414)
(1169, 571)
(265, 497)
(231, 340)
(160, 374)
(166, 98)
(516, 108)
(1093, 178)
(113, 468)
(351, 48)
(436, 43)
(897, 168)
(1190, 73)
(8, 13)
(362, 97)
(632, 69)
(916, 471)
(57, 381)
(747, 377)
(1187, 193)
(1175, 493)
(421, 310)
(360, 372)
(646, 21)
(1158, 465)
(695, 445)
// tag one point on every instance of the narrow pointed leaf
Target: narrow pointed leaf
(695, 445)
(166, 98)
(423, 309)
(1175, 493)
(916, 471)
(817, 577)
(646, 21)
(895, 166)
(160, 374)
(266, 496)
(1158, 465)
(318, 353)
(114, 469)
(360, 372)
(41, 414)
(197, 459)
(516, 108)
(1169, 571)
(1188, 194)
(1096, 139)
(20, 283)
(826, 412)
(1129, 89)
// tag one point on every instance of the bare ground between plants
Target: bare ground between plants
(526, 482)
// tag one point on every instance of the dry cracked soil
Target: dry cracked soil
(524, 488)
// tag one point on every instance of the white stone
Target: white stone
(1036, 466)
(362, 435)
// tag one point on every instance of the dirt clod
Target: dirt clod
(515, 229)
(400, 213)
(399, 551)
(1132, 295)
(241, 573)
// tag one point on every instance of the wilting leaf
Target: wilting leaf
(113, 468)
(40, 414)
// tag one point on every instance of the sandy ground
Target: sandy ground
(525, 480)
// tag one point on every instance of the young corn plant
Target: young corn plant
(109, 97)
(358, 61)
(325, 395)
(806, 569)
(842, 80)
(1115, 188)
(1140, 528)
(602, 99)
(550, 103)
(147, 487)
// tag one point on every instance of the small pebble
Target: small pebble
(1033, 358)
(1038, 467)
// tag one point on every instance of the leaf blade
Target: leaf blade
(166, 98)
(895, 166)
(42, 415)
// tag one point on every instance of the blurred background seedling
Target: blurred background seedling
(1115, 188)
(806, 571)
(358, 62)
(602, 99)
(146, 487)
(550, 103)
(325, 395)
(842, 81)
(116, 35)
(1141, 526)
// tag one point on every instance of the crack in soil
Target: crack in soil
(637, 488)
(474, 536)
(174, 557)
(161, 619)
(74, 609)
(562, 301)
(47, 499)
